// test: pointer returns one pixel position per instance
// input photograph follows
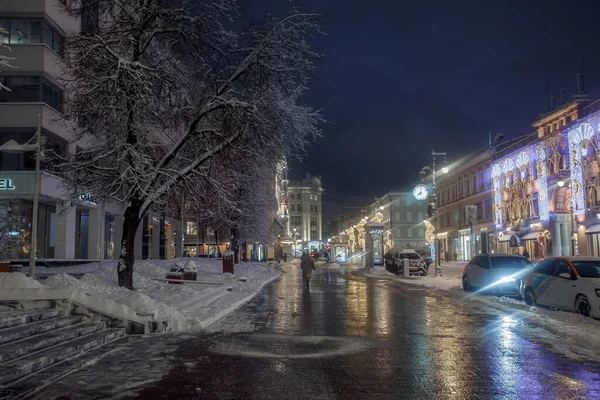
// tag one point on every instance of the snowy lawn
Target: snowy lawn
(184, 306)
(566, 333)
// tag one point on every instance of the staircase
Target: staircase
(40, 346)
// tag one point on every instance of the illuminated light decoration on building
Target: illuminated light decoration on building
(496, 173)
(522, 160)
(576, 136)
(543, 205)
(508, 165)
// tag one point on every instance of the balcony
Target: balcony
(37, 8)
(35, 59)
(25, 115)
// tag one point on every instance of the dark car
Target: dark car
(394, 262)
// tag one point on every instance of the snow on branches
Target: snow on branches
(162, 90)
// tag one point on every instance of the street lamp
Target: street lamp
(432, 209)
(12, 147)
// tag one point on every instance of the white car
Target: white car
(566, 283)
(498, 273)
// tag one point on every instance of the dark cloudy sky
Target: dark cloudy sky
(402, 77)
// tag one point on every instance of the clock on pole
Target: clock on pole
(420, 192)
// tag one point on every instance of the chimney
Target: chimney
(563, 96)
(553, 101)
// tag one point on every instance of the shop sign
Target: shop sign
(88, 198)
(155, 219)
(6, 184)
(484, 229)
(536, 225)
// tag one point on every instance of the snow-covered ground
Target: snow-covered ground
(184, 306)
(565, 333)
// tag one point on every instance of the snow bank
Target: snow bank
(149, 270)
(17, 280)
(61, 280)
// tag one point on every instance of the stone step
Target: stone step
(27, 387)
(14, 318)
(19, 332)
(20, 368)
(28, 345)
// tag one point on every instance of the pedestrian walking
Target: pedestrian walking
(308, 265)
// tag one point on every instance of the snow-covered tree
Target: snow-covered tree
(5, 59)
(161, 89)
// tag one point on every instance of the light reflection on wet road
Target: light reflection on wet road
(345, 338)
(370, 339)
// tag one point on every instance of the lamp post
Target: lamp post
(12, 147)
(432, 209)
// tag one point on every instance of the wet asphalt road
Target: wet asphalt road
(344, 338)
(353, 338)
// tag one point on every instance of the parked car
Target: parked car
(394, 262)
(500, 274)
(566, 283)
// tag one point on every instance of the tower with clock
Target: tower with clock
(420, 192)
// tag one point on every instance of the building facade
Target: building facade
(84, 229)
(403, 216)
(305, 212)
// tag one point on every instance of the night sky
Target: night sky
(402, 77)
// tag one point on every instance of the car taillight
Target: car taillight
(463, 268)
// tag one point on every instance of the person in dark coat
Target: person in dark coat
(308, 265)
(526, 254)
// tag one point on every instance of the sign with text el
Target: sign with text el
(6, 184)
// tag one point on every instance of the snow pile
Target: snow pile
(149, 270)
(17, 280)
(144, 305)
(61, 280)
(139, 281)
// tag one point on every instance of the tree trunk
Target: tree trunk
(235, 245)
(131, 221)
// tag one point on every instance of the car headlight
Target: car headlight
(506, 279)
(598, 292)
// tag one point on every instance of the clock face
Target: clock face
(420, 192)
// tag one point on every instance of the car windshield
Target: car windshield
(410, 256)
(510, 262)
(588, 269)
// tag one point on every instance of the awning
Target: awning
(531, 235)
(593, 229)
(504, 238)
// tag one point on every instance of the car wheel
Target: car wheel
(466, 284)
(529, 297)
(582, 306)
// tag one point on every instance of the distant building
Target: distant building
(305, 211)
(403, 217)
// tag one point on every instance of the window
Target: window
(479, 210)
(299, 196)
(293, 209)
(468, 186)
(313, 235)
(316, 209)
(563, 268)
(588, 269)
(191, 228)
(292, 196)
(30, 89)
(311, 208)
(474, 179)
(545, 267)
(421, 233)
(488, 208)
(31, 31)
(409, 216)
(397, 216)
(296, 220)
(409, 233)
(90, 18)
(313, 221)
(420, 216)
(299, 207)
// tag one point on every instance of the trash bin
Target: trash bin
(228, 262)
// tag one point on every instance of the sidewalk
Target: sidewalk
(185, 307)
